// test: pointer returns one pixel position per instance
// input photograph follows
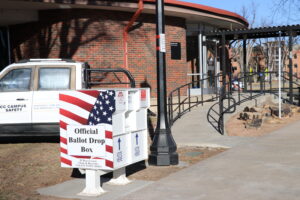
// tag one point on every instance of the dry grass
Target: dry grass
(25, 167)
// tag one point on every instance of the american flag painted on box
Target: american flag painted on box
(87, 107)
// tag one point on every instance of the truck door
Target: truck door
(16, 97)
(45, 107)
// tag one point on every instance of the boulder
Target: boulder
(246, 109)
(256, 122)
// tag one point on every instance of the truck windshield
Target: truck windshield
(16, 80)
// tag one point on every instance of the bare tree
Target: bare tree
(288, 9)
(248, 12)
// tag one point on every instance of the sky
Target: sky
(266, 11)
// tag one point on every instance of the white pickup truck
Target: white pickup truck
(29, 93)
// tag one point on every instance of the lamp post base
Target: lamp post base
(163, 149)
(163, 159)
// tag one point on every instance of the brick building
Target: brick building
(93, 31)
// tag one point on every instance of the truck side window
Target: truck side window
(16, 80)
(54, 78)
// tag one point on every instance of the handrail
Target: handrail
(262, 90)
(178, 104)
(89, 82)
(184, 104)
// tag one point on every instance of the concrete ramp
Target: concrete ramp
(193, 129)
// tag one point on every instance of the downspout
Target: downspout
(126, 30)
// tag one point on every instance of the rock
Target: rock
(241, 116)
(286, 111)
(274, 111)
(244, 116)
(254, 123)
(246, 109)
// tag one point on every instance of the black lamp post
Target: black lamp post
(163, 148)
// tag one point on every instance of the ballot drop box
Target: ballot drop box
(103, 129)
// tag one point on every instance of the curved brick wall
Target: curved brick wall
(95, 36)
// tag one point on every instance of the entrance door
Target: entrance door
(212, 67)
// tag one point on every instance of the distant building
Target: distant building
(267, 56)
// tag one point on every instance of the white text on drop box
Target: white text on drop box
(86, 141)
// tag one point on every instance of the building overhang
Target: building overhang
(193, 13)
(254, 33)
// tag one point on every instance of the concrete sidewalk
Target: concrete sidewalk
(267, 168)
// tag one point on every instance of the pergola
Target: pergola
(255, 33)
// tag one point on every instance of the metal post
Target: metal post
(163, 149)
(251, 85)
(239, 92)
(204, 63)
(261, 82)
(270, 81)
(223, 88)
(221, 109)
(200, 55)
(264, 81)
(279, 76)
(217, 66)
(223, 61)
(202, 99)
(171, 109)
(298, 96)
(290, 68)
(189, 96)
(245, 62)
(179, 108)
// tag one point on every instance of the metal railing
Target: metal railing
(95, 76)
(215, 114)
(250, 85)
(252, 89)
(181, 101)
(215, 117)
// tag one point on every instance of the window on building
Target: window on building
(295, 56)
(295, 66)
(175, 51)
(54, 78)
(16, 80)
